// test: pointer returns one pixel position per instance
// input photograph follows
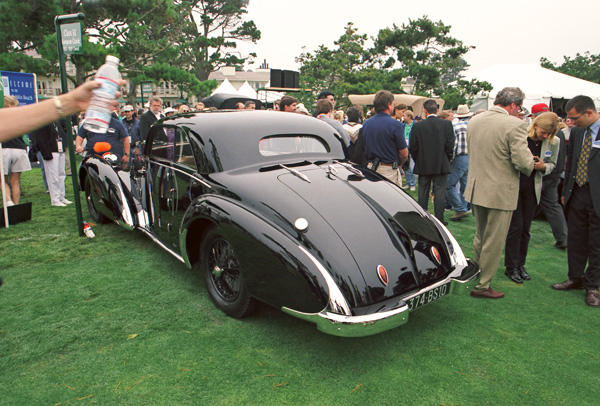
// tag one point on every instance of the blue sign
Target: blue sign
(21, 85)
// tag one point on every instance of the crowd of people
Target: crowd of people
(491, 164)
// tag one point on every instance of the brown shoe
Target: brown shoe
(568, 285)
(459, 215)
(592, 298)
(487, 294)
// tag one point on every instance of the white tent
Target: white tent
(539, 84)
(225, 87)
(246, 90)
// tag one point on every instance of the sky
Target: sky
(518, 32)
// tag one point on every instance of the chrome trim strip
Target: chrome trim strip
(126, 211)
(337, 301)
(365, 325)
(191, 176)
(156, 240)
(183, 245)
(458, 257)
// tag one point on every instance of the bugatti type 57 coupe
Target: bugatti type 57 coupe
(266, 206)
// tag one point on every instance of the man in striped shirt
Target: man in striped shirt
(459, 167)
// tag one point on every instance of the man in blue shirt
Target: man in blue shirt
(132, 124)
(385, 146)
(114, 135)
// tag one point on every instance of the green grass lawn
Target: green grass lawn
(115, 320)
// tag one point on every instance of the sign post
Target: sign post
(145, 86)
(68, 39)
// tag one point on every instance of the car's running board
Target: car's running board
(159, 242)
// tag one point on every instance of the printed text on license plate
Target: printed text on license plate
(427, 297)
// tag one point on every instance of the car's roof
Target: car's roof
(235, 134)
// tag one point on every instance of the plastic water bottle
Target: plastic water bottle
(87, 230)
(97, 116)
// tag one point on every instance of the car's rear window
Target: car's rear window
(292, 144)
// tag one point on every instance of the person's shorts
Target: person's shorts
(15, 160)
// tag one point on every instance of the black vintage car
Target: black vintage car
(268, 209)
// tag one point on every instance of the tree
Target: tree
(179, 41)
(424, 50)
(586, 66)
(421, 50)
(346, 69)
(210, 39)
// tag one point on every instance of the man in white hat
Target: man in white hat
(459, 167)
(132, 124)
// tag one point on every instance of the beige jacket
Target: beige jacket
(497, 145)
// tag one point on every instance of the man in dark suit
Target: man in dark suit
(581, 195)
(431, 146)
(149, 117)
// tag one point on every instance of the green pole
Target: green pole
(58, 20)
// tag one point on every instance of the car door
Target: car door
(171, 183)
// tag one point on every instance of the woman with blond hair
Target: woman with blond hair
(544, 147)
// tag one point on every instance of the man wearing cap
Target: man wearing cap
(497, 143)
(581, 197)
(431, 146)
(459, 167)
(132, 124)
(549, 198)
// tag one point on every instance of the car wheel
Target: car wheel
(96, 215)
(224, 281)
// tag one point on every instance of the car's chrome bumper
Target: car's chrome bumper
(365, 325)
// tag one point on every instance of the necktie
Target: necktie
(581, 176)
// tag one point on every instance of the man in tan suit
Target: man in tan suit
(497, 145)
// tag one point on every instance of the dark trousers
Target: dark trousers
(439, 191)
(517, 239)
(584, 239)
(552, 209)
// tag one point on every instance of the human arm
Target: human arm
(450, 140)
(21, 120)
(126, 146)
(144, 127)
(548, 164)
(413, 143)
(403, 155)
(78, 144)
(520, 155)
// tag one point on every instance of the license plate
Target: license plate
(428, 297)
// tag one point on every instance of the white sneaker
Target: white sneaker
(59, 204)
(9, 203)
(412, 188)
(65, 201)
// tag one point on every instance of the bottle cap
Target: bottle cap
(113, 59)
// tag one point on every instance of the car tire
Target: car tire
(94, 213)
(224, 281)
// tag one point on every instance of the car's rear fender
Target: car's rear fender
(276, 268)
